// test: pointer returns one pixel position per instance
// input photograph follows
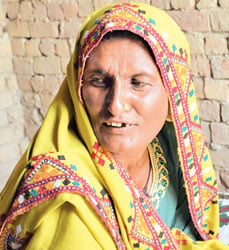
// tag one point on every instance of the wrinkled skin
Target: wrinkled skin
(125, 98)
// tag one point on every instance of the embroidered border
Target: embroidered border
(65, 179)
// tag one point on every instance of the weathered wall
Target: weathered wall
(12, 123)
(42, 33)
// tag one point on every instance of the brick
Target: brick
(3, 118)
(209, 110)
(46, 100)
(6, 100)
(220, 66)
(221, 191)
(157, 3)
(18, 46)
(199, 87)
(216, 45)
(27, 100)
(200, 66)
(62, 48)
(220, 133)
(39, 12)
(69, 28)
(5, 170)
(15, 114)
(25, 10)
(36, 116)
(220, 157)
(44, 29)
(13, 10)
(71, 42)
(18, 29)
(11, 133)
(100, 3)
(5, 47)
(10, 1)
(51, 84)
(37, 101)
(224, 3)
(9, 152)
(2, 12)
(191, 20)
(70, 10)
(2, 83)
(85, 8)
(64, 63)
(23, 65)
(196, 43)
(54, 11)
(224, 177)
(47, 65)
(24, 82)
(206, 129)
(217, 89)
(182, 4)
(47, 47)
(37, 83)
(206, 4)
(11, 82)
(225, 112)
(32, 48)
(31, 125)
(1, 30)
(23, 144)
(220, 20)
(31, 129)
(6, 65)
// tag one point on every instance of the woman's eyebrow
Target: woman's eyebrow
(100, 72)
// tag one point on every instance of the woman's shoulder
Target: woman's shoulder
(49, 175)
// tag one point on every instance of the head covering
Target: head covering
(67, 157)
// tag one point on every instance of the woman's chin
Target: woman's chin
(122, 147)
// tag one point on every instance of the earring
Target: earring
(117, 78)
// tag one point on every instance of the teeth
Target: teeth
(117, 124)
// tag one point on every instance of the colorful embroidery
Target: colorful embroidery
(175, 71)
(173, 63)
(160, 172)
(48, 176)
(51, 174)
(147, 233)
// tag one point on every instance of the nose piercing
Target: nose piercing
(126, 107)
(117, 78)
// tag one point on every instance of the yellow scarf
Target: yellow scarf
(67, 193)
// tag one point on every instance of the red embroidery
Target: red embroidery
(98, 154)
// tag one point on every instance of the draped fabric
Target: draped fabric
(67, 192)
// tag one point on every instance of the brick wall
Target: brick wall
(37, 38)
(12, 136)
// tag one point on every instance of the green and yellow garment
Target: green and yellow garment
(68, 193)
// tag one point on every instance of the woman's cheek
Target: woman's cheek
(93, 100)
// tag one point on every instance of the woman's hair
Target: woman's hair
(130, 35)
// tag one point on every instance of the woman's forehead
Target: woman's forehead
(121, 56)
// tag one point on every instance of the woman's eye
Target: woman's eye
(138, 84)
(97, 81)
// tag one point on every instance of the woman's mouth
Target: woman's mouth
(117, 124)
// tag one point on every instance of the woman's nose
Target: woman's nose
(117, 102)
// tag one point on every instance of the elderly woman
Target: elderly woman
(120, 160)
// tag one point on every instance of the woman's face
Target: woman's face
(124, 95)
